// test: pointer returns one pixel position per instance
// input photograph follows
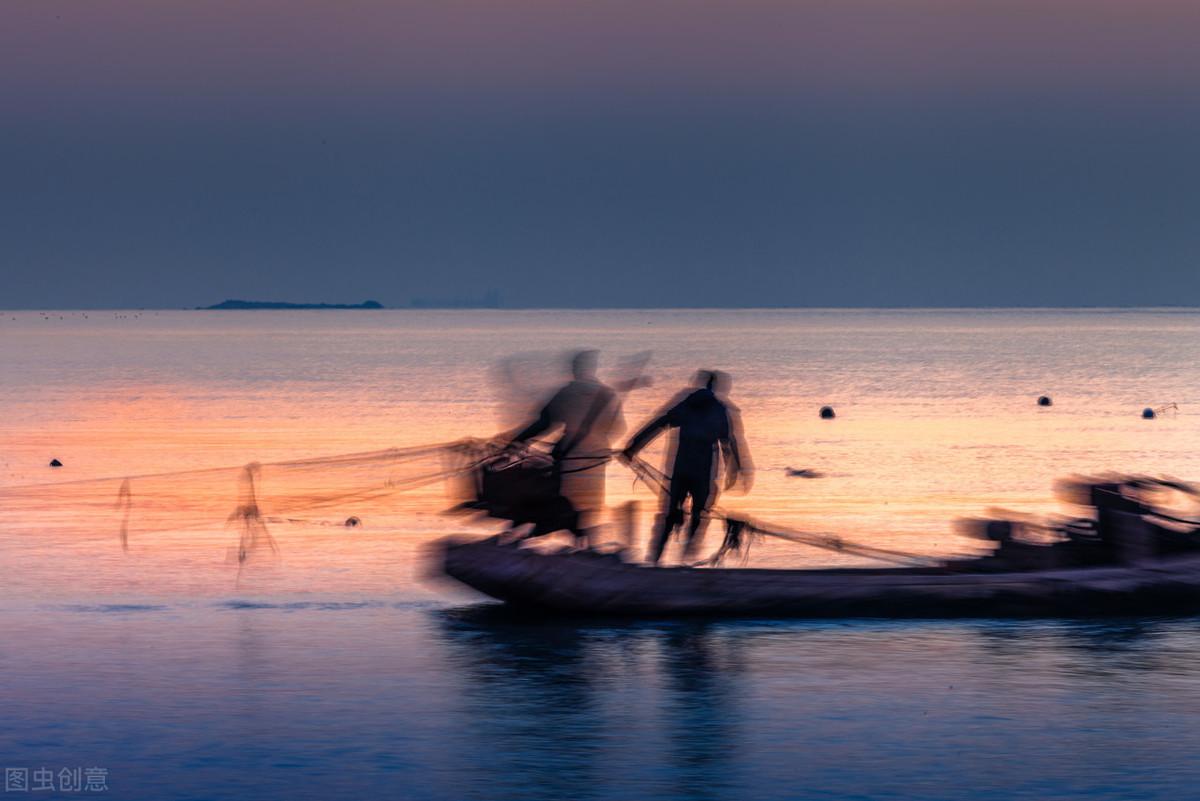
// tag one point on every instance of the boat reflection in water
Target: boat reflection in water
(795, 709)
(563, 707)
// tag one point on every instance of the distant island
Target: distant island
(272, 304)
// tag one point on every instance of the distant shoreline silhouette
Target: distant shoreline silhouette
(420, 303)
(272, 304)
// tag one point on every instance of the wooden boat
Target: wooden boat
(1131, 557)
(584, 582)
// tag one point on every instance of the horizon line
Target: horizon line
(1099, 308)
(1162, 308)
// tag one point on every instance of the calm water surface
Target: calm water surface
(336, 669)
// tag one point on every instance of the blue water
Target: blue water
(333, 669)
(415, 700)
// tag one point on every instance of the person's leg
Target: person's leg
(670, 519)
(701, 491)
(585, 491)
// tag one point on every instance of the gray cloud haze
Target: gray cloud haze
(589, 154)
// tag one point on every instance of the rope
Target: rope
(735, 527)
(824, 540)
(195, 500)
(350, 459)
(650, 474)
(522, 453)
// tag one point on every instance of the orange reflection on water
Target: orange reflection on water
(935, 421)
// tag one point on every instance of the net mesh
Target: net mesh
(244, 500)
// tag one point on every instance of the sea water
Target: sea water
(338, 668)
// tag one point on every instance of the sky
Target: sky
(600, 153)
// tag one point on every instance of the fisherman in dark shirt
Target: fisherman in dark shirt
(707, 437)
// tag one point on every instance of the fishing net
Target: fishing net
(242, 504)
(243, 501)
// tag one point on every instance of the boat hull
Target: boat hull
(595, 584)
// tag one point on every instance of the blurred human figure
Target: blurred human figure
(589, 415)
(707, 437)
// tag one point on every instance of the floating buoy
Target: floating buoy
(803, 472)
(353, 522)
(1045, 400)
(1149, 414)
(827, 413)
(55, 463)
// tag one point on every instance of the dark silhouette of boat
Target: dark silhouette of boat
(1129, 559)
(585, 582)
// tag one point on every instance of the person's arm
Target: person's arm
(545, 419)
(736, 455)
(538, 426)
(651, 430)
(643, 437)
(616, 419)
(596, 409)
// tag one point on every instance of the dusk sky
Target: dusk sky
(568, 153)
